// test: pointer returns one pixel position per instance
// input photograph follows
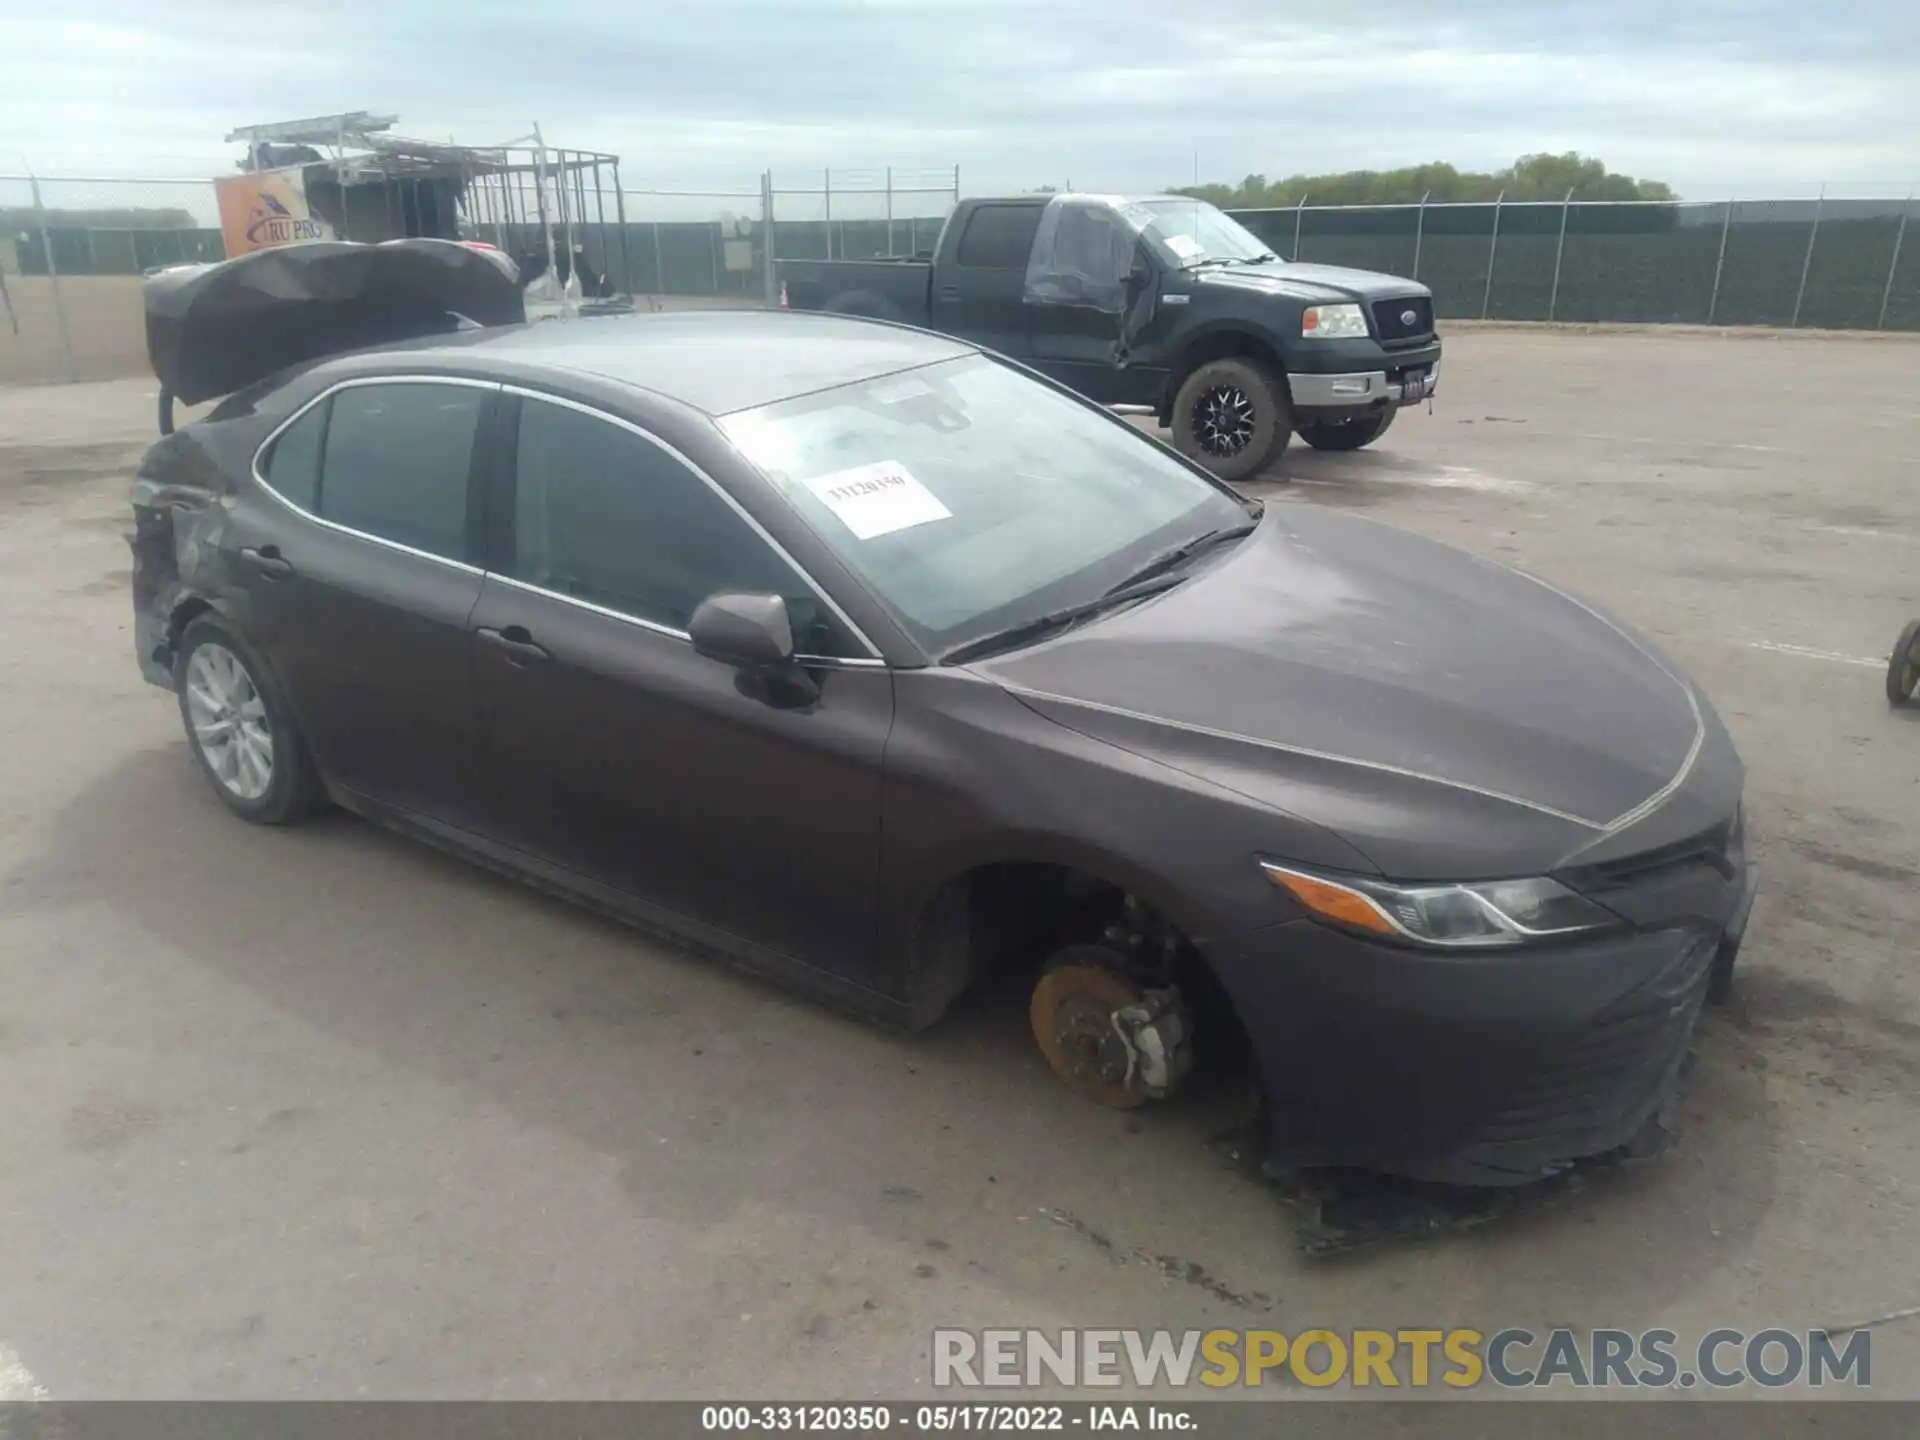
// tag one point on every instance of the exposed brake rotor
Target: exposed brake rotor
(1107, 1038)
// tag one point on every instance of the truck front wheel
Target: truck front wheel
(1233, 416)
(1347, 434)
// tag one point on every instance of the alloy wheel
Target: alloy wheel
(229, 721)
(1223, 420)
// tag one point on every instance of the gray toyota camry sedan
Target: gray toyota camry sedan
(880, 665)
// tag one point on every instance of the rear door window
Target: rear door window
(397, 462)
(999, 237)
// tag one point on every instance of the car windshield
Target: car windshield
(1188, 232)
(971, 498)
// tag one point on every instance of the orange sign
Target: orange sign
(264, 208)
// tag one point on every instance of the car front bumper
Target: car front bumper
(1490, 1068)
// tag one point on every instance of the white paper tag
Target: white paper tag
(877, 499)
(1185, 246)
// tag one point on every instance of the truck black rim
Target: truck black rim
(1223, 420)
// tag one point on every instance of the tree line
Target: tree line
(1531, 177)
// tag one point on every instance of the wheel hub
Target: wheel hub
(1109, 1040)
(1223, 420)
(229, 721)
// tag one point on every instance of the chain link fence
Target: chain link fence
(1837, 264)
(73, 249)
(860, 214)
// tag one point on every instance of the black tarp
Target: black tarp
(215, 329)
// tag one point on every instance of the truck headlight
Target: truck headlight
(1333, 322)
(1481, 914)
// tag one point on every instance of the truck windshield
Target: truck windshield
(1191, 232)
(971, 498)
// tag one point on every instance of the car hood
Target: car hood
(1447, 716)
(1315, 284)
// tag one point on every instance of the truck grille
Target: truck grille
(1389, 319)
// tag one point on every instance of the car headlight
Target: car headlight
(1333, 322)
(1485, 913)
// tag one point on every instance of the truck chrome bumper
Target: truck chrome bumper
(1365, 387)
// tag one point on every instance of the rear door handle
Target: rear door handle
(517, 644)
(949, 292)
(267, 560)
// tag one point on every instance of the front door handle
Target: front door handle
(949, 292)
(517, 644)
(267, 561)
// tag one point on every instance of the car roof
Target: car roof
(716, 361)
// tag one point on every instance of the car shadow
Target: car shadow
(716, 1093)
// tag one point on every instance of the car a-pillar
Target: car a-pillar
(1230, 407)
(1122, 1006)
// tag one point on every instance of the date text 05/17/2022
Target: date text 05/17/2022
(940, 1419)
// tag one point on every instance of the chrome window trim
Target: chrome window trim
(872, 661)
(579, 604)
(873, 657)
(667, 631)
(327, 394)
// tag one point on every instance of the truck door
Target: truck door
(1090, 295)
(979, 290)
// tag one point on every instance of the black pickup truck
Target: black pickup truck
(1163, 302)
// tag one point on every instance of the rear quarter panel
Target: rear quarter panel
(181, 493)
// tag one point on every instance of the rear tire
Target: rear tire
(1903, 668)
(239, 726)
(1233, 416)
(1351, 434)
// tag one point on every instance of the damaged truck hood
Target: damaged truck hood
(1449, 717)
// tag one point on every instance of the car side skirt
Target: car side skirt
(616, 904)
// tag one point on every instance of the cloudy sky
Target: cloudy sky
(1710, 95)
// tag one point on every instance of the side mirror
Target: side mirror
(750, 632)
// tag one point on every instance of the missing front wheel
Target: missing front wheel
(1107, 1037)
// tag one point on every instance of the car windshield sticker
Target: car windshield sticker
(877, 499)
(1185, 246)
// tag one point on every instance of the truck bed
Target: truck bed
(885, 289)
